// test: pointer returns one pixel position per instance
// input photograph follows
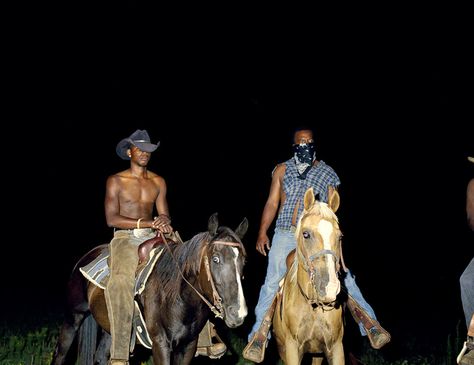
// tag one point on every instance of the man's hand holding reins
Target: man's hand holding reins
(162, 223)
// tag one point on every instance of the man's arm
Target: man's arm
(270, 210)
(163, 221)
(112, 206)
(470, 204)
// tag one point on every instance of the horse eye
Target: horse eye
(215, 259)
(306, 234)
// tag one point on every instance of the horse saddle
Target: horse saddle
(97, 271)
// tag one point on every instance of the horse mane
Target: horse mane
(187, 256)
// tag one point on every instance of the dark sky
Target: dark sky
(389, 98)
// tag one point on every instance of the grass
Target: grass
(28, 342)
(32, 342)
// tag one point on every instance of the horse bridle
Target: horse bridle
(311, 270)
(216, 307)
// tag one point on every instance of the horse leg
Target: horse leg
(103, 349)
(66, 337)
(161, 351)
(336, 357)
(185, 356)
(292, 355)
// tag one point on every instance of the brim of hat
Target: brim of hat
(470, 158)
(146, 146)
(125, 143)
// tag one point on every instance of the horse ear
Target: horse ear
(213, 224)
(309, 199)
(334, 200)
(242, 228)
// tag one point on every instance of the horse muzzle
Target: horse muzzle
(235, 315)
(327, 287)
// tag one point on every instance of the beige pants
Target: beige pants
(119, 292)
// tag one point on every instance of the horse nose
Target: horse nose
(236, 315)
(236, 311)
(233, 311)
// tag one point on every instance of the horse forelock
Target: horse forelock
(226, 234)
(326, 212)
(319, 209)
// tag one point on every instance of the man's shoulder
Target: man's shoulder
(120, 175)
(470, 186)
(153, 175)
(279, 168)
(323, 165)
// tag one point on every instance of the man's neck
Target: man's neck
(138, 171)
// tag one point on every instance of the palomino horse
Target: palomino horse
(308, 316)
(189, 282)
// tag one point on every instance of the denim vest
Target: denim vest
(319, 177)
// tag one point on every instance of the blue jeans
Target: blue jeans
(282, 243)
(354, 291)
(467, 291)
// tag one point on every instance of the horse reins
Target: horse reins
(217, 307)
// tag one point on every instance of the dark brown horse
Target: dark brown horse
(189, 282)
(308, 316)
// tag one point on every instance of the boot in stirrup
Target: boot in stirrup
(378, 336)
(255, 349)
(206, 346)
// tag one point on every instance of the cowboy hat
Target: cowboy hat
(139, 139)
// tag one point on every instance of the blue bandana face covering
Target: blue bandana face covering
(305, 154)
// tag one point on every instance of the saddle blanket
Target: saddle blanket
(97, 272)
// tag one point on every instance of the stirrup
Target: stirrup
(466, 356)
(206, 347)
(215, 351)
(117, 362)
(378, 337)
(255, 349)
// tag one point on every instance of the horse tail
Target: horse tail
(87, 341)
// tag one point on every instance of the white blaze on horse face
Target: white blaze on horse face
(242, 305)
(326, 229)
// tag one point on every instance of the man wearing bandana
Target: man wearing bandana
(290, 180)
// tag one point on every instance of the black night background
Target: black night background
(389, 99)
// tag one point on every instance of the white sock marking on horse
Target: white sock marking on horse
(242, 305)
